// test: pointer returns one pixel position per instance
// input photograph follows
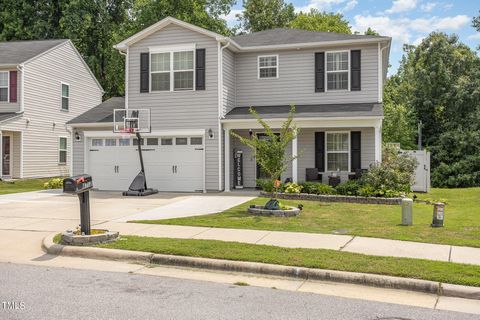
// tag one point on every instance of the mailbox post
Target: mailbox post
(81, 185)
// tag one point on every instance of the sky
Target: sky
(406, 21)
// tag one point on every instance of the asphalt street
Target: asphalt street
(33, 292)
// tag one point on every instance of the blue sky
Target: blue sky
(406, 21)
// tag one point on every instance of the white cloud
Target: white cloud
(231, 17)
(417, 41)
(452, 23)
(328, 5)
(428, 7)
(402, 6)
(474, 36)
(350, 5)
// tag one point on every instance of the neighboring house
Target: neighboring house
(199, 86)
(43, 84)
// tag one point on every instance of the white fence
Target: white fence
(422, 173)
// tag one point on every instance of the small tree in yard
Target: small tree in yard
(270, 153)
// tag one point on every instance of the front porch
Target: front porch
(10, 151)
(328, 146)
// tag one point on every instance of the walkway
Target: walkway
(370, 246)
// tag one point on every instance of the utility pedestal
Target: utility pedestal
(407, 212)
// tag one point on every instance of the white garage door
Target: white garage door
(171, 163)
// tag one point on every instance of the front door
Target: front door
(6, 155)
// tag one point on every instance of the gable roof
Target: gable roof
(282, 36)
(103, 113)
(13, 53)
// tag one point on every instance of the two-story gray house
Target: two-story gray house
(199, 85)
(43, 84)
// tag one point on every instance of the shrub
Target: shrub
(317, 188)
(348, 188)
(293, 188)
(265, 185)
(370, 191)
(55, 183)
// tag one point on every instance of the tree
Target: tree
(476, 25)
(371, 32)
(321, 21)
(270, 153)
(259, 15)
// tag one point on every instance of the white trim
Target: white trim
(61, 96)
(348, 152)
(295, 161)
(349, 52)
(378, 143)
(21, 153)
(277, 66)
(21, 68)
(161, 133)
(171, 50)
(59, 150)
(7, 87)
(227, 161)
(348, 122)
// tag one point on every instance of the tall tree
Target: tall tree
(476, 25)
(261, 15)
(320, 21)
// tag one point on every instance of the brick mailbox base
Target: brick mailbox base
(71, 239)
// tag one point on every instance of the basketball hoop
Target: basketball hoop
(126, 132)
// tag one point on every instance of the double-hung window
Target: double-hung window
(65, 96)
(268, 67)
(337, 70)
(172, 70)
(4, 86)
(338, 149)
(62, 150)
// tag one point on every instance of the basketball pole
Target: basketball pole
(139, 139)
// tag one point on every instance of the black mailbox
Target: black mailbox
(80, 185)
(77, 184)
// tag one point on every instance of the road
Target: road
(60, 293)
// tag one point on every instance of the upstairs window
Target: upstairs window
(65, 96)
(4, 86)
(172, 71)
(268, 67)
(337, 70)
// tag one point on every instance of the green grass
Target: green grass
(24, 185)
(445, 272)
(462, 219)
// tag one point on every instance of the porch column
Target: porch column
(378, 143)
(294, 162)
(227, 160)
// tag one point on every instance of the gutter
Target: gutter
(21, 69)
(381, 74)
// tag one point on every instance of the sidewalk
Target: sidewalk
(369, 246)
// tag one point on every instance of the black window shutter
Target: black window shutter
(200, 69)
(320, 151)
(144, 72)
(319, 71)
(356, 150)
(355, 70)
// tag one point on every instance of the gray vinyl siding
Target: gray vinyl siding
(46, 120)
(78, 149)
(12, 106)
(295, 83)
(229, 84)
(181, 109)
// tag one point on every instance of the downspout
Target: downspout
(21, 68)
(220, 111)
(381, 79)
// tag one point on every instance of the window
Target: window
(172, 70)
(196, 140)
(167, 141)
(97, 142)
(110, 142)
(135, 142)
(4, 86)
(124, 142)
(181, 141)
(337, 70)
(338, 150)
(152, 141)
(267, 67)
(62, 150)
(65, 96)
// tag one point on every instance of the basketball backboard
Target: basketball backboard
(131, 120)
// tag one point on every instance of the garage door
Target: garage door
(171, 163)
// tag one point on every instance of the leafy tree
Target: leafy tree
(476, 25)
(320, 21)
(259, 15)
(371, 32)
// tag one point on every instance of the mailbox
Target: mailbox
(81, 185)
(77, 184)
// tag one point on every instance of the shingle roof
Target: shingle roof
(103, 113)
(5, 116)
(16, 52)
(310, 111)
(281, 36)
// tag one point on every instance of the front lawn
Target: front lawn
(445, 272)
(462, 219)
(24, 185)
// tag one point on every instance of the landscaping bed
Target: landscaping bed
(445, 272)
(333, 198)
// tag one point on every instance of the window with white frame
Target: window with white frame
(65, 96)
(268, 67)
(172, 70)
(338, 150)
(337, 70)
(4, 86)
(62, 150)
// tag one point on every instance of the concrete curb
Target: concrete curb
(373, 280)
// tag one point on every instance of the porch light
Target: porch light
(77, 136)
(210, 133)
(250, 132)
